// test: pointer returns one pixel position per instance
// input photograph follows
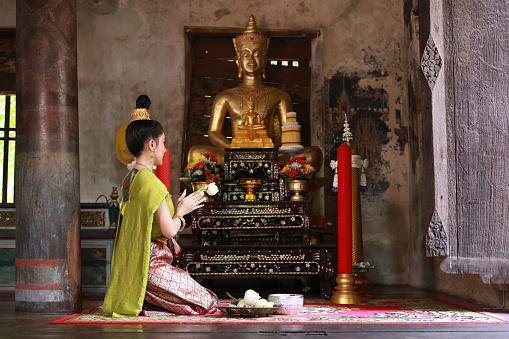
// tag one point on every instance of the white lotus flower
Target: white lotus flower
(251, 297)
(212, 189)
(263, 303)
(242, 303)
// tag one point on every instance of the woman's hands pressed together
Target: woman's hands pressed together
(169, 224)
(187, 204)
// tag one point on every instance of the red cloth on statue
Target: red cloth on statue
(163, 171)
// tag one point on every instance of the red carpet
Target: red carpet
(423, 311)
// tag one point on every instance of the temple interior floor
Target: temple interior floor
(27, 325)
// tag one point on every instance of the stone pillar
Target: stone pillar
(47, 197)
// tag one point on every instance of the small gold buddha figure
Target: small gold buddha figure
(250, 103)
(251, 132)
(251, 119)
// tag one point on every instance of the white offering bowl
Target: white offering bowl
(290, 303)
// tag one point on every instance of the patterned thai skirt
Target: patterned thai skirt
(171, 289)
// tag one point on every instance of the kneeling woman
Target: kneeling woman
(145, 245)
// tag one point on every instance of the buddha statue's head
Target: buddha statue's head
(251, 48)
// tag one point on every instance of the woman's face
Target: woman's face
(160, 150)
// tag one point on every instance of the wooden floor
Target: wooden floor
(25, 325)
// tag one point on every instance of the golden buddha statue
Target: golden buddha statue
(265, 105)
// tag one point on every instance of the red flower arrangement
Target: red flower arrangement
(298, 169)
(204, 168)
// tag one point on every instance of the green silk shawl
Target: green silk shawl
(131, 254)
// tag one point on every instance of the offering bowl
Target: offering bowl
(289, 303)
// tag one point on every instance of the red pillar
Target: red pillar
(344, 210)
(47, 197)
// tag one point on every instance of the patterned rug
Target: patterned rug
(381, 311)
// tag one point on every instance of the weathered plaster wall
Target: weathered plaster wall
(125, 49)
(8, 13)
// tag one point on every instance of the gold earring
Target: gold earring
(151, 157)
(240, 74)
(263, 74)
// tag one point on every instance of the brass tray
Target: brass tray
(256, 311)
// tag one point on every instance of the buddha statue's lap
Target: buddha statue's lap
(253, 107)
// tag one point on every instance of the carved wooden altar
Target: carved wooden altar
(269, 237)
(255, 223)
(267, 261)
(259, 164)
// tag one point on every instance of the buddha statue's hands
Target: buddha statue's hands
(187, 204)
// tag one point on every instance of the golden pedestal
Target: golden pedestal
(251, 186)
(346, 292)
(251, 138)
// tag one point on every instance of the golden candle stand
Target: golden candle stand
(250, 186)
(346, 293)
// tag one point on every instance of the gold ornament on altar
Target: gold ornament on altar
(290, 131)
(250, 186)
(140, 114)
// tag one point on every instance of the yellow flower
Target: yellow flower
(193, 163)
(309, 167)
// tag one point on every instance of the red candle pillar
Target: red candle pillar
(163, 171)
(344, 210)
(345, 291)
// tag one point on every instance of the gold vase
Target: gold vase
(197, 185)
(297, 188)
(250, 186)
